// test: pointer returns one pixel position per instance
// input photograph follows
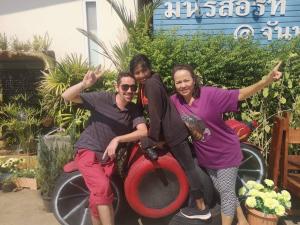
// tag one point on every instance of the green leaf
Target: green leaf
(287, 75)
(266, 92)
(282, 100)
(267, 128)
(290, 84)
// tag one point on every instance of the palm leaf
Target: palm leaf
(124, 15)
(120, 52)
(105, 51)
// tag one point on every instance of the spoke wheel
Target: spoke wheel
(252, 166)
(71, 199)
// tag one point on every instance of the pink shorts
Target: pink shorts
(96, 177)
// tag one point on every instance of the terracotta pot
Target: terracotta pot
(25, 182)
(255, 217)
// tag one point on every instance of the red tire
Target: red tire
(156, 189)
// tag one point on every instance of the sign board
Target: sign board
(265, 20)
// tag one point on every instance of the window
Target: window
(91, 20)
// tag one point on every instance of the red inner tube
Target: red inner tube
(166, 182)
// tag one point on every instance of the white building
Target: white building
(60, 18)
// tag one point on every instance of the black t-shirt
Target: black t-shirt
(164, 119)
(106, 121)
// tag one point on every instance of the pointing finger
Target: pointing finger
(277, 66)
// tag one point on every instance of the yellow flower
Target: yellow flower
(269, 182)
(254, 193)
(250, 184)
(288, 204)
(261, 195)
(251, 202)
(271, 194)
(270, 203)
(279, 210)
(275, 203)
(286, 195)
(242, 191)
(258, 186)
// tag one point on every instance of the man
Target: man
(114, 119)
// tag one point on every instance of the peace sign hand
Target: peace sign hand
(91, 77)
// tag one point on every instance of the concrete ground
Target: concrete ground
(25, 207)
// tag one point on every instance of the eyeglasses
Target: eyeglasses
(125, 87)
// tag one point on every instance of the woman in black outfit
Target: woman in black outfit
(166, 125)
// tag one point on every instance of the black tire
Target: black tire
(70, 199)
(252, 167)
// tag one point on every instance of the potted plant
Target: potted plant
(8, 167)
(263, 203)
(25, 178)
(21, 122)
(8, 184)
(53, 153)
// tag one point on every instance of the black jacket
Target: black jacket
(165, 121)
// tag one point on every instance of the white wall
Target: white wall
(60, 18)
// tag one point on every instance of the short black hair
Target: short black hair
(139, 59)
(190, 69)
(123, 74)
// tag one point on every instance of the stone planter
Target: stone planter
(255, 217)
(25, 182)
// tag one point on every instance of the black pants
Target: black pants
(183, 155)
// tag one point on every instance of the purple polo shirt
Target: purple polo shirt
(219, 146)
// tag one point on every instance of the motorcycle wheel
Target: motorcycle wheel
(252, 166)
(70, 199)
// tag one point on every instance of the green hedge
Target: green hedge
(226, 62)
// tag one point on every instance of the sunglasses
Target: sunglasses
(125, 87)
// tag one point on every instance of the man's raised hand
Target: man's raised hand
(91, 77)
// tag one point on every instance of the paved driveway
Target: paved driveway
(25, 207)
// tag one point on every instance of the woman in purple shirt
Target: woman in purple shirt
(216, 145)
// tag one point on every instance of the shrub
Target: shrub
(225, 62)
(52, 156)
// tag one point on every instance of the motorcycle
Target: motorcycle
(153, 189)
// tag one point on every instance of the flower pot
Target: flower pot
(8, 186)
(47, 203)
(25, 182)
(256, 217)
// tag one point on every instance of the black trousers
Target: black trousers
(182, 153)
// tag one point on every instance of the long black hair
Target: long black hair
(189, 68)
(139, 59)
